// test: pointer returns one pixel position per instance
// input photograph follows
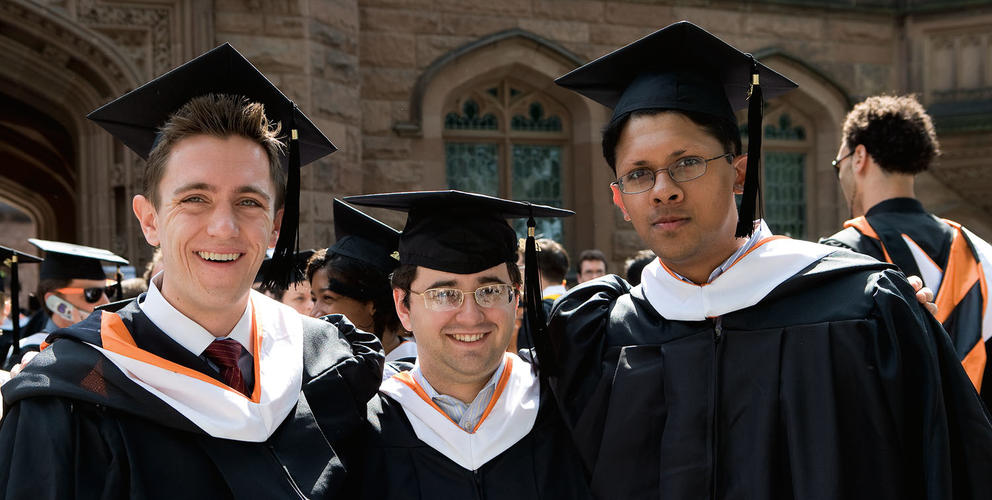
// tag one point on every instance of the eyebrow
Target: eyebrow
(673, 155)
(203, 186)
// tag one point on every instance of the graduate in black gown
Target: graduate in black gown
(745, 365)
(887, 141)
(470, 420)
(201, 387)
(351, 277)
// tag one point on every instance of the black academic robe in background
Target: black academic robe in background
(837, 385)
(960, 298)
(76, 427)
(397, 465)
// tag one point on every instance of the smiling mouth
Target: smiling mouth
(218, 257)
(474, 337)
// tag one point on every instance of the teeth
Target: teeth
(468, 338)
(219, 257)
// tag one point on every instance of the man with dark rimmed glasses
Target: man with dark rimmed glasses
(72, 284)
(470, 420)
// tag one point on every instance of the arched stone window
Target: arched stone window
(505, 138)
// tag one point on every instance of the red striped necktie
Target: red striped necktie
(225, 354)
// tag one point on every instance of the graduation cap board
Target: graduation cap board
(12, 259)
(136, 118)
(465, 233)
(364, 238)
(684, 67)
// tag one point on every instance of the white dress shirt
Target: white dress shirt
(193, 337)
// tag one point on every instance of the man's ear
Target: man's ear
(276, 226)
(401, 309)
(147, 216)
(740, 172)
(860, 159)
(618, 201)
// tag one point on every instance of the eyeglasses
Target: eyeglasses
(836, 163)
(449, 299)
(91, 295)
(683, 170)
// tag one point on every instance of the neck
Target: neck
(464, 390)
(879, 186)
(218, 321)
(699, 270)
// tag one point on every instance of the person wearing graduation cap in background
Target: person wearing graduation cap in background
(469, 420)
(745, 365)
(201, 387)
(351, 277)
(72, 284)
(10, 297)
(297, 295)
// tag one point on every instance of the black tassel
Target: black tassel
(750, 208)
(15, 310)
(546, 360)
(118, 287)
(283, 270)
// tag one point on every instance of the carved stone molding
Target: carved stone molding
(143, 33)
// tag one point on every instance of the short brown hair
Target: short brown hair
(404, 275)
(217, 115)
(895, 130)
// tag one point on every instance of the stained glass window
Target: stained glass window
(506, 139)
(785, 193)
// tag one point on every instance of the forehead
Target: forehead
(224, 160)
(432, 277)
(666, 130)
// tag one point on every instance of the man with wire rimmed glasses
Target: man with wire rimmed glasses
(745, 365)
(469, 420)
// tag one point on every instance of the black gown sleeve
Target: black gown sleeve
(941, 418)
(578, 331)
(47, 451)
(342, 371)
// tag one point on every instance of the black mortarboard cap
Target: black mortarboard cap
(364, 238)
(455, 231)
(69, 261)
(12, 258)
(136, 117)
(684, 67)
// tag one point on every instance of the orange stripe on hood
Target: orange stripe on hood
(116, 338)
(861, 224)
(960, 277)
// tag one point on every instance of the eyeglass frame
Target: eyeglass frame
(706, 161)
(461, 296)
(836, 163)
(104, 292)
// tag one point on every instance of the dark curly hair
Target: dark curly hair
(724, 130)
(895, 130)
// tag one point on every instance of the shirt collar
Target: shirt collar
(185, 331)
(761, 232)
(553, 290)
(896, 205)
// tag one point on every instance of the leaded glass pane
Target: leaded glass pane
(470, 119)
(535, 121)
(537, 178)
(472, 167)
(785, 193)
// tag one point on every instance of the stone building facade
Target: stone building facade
(430, 94)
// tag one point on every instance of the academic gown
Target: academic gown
(953, 262)
(400, 466)
(835, 384)
(76, 426)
